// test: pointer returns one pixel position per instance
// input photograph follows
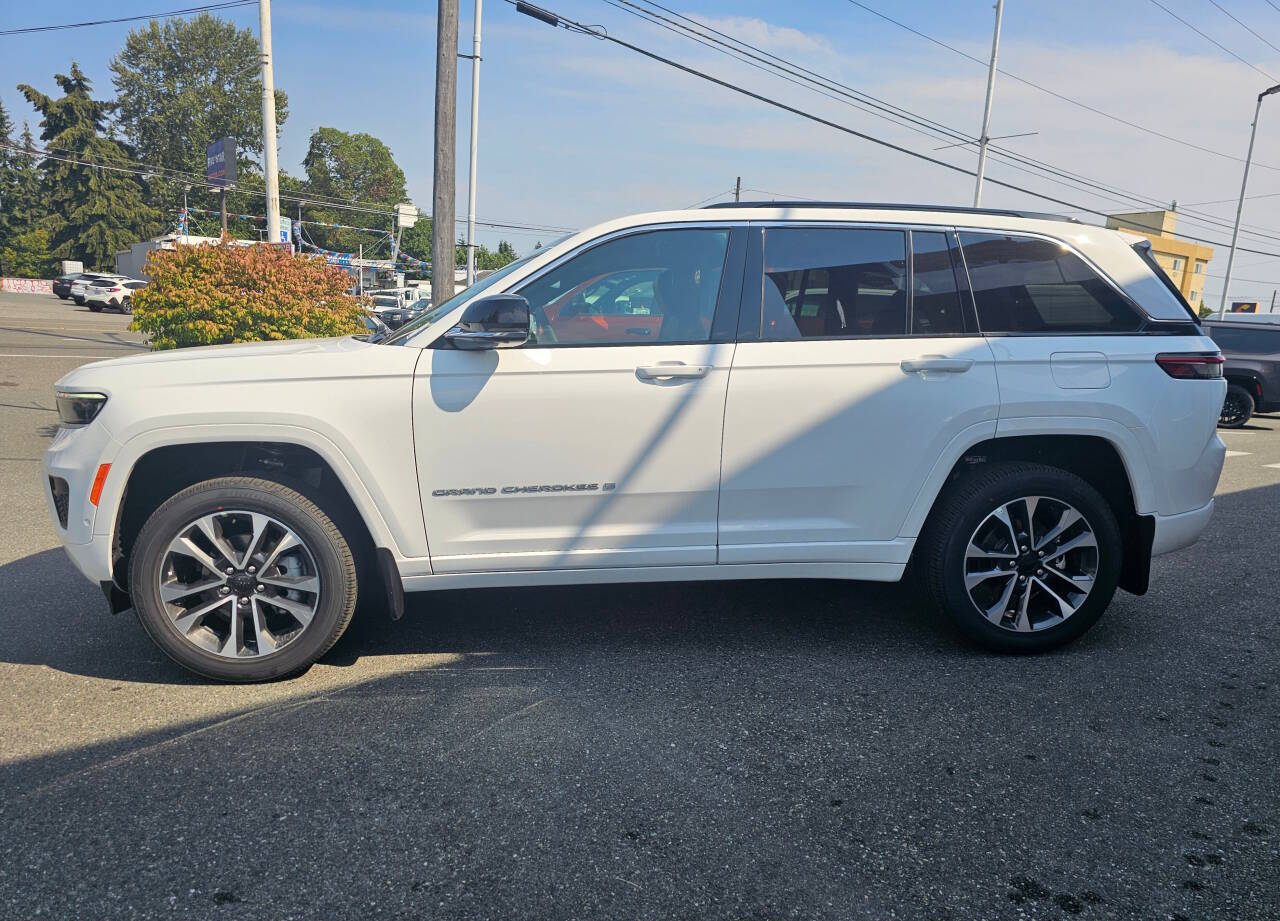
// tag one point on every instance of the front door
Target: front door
(597, 444)
(862, 371)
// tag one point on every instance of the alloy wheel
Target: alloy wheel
(1031, 564)
(239, 584)
(1233, 411)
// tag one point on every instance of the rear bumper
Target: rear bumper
(1173, 532)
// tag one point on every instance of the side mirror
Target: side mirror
(499, 321)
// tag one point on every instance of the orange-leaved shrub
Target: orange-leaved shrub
(217, 293)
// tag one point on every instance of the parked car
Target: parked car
(1252, 352)
(1017, 407)
(375, 329)
(62, 284)
(393, 311)
(112, 292)
(80, 286)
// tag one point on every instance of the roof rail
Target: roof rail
(891, 206)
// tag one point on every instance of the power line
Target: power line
(1212, 40)
(897, 115)
(1256, 35)
(572, 25)
(1059, 96)
(103, 22)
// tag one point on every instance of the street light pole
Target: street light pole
(1244, 184)
(443, 206)
(475, 128)
(269, 164)
(983, 139)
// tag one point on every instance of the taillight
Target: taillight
(1191, 365)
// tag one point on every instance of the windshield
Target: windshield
(466, 294)
(385, 302)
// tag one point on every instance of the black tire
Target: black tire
(1237, 407)
(961, 509)
(80, 302)
(328, 547)
(95, 308)
(126, 306)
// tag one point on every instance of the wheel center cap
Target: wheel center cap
(242, 583)
(1028, 563)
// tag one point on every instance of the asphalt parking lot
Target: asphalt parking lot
(740, 751)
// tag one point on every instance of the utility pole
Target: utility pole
(475, 128)
(984, 138)
(269, 165)
(1244, 184)
(737, 190)
(443, 194)
(222, 207)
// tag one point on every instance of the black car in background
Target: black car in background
(1252, 351)
(62, 284)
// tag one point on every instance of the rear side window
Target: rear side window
(834, 283)
(936, 308)
(1245, 340)
(1030, 285)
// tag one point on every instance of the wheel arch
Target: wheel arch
(1096, 459)
(158, 471)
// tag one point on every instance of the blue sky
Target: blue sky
(575, 130)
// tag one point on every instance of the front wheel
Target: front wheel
(242, 579)
(1022, 557)
(1237, 408)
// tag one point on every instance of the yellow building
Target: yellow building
(1183, 261)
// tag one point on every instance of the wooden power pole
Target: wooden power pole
(443, 203)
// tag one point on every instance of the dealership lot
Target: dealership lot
(765, 750)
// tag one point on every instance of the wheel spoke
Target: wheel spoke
(1064, 605)
(232, 645)
(1023, 623)
(300, 612)
(973, 579)
(1002, 514)
(996, 612)
(194, 617)
(186, 547)
(212, 529)
(260, 523)
(295, 583)
(1080, 540)
(1030, 503)
(979, 553)
(266, 642)
(1081, 582)
(286, 543)
(1069, 517)
(173, 591)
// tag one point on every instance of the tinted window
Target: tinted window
(831, 282)
(935, 299)
(1245, 340)
(1024, 284)
(657, 286)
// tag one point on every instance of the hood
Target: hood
(292, 359)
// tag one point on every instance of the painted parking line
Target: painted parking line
(1238, 453)
(1272, 466)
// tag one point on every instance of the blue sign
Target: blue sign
(220, 163)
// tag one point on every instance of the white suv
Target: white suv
(1018, 408)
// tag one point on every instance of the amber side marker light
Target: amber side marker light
(1191, 366)
(98, 482)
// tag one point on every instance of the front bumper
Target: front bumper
(1173, 532)
(74, 456)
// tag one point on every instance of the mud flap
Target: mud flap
(117, 599)
(1135, 571)
(392, 583)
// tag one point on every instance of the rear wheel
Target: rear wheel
(1237, 408)
(1022, 557)
(126, 306)
(242, 579)
(79, 301)
(95, 308)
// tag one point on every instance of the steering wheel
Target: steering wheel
(542, 331)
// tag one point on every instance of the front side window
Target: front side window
(936, 308)
(1032, 285)
(824, 282)
(654, 286)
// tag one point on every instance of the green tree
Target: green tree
(27, 255)
(19, 182)
(94, 211)
(183, 84)
(350, 167)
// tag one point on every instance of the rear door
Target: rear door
(856, 367)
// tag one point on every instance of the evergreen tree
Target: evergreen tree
(8, 181)
(95, 211)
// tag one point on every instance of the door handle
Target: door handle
(669, 370)
(937, 363)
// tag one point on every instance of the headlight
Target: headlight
(79, 408)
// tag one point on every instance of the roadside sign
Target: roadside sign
(220, 163)
(1244, 306)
